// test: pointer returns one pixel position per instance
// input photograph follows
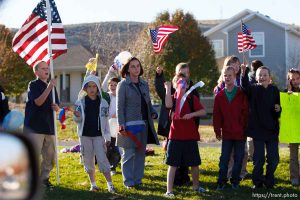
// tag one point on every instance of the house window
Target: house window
(259, 51)
(218, 48)
(65, 92)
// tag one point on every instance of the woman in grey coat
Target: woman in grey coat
(134, 109)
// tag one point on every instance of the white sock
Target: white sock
(93, 184)
(109, 184)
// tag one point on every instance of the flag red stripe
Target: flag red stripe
(31, 39)
(23, 32)
(57, 30)
(245, 42)
(35, 48)
(58, 41)
(40, 57)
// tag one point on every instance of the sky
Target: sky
(13, 13)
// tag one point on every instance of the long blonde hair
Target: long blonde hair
(227, 62)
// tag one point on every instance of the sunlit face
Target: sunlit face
(236, 66)
(185, 71)
(91, 89)
(134, 68)
(295, 80)
(42, 71)
(229, 77)
(112, 86)
(263, 77)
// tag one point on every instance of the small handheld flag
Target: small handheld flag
(160, 36)
(181, 86)
(199, 84)
(245, 40)
(132, 129)
(92, 65)
(62, 116)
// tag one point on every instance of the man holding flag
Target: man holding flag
(40, 40)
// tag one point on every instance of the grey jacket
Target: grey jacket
(103, 112)
(129, 110)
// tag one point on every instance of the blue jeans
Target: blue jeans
(133, 165)
(239, 150)
(259, 161)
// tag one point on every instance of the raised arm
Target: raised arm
(245, 84)
(168, 96)
(159, 83)
(110, 74)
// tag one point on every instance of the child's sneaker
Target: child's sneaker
(94, 188)
(169, 194)
(80, 160)
(220, 186)
(200, 190)
(111, 189)
(235, 186)
(113, 172)
(46, 183)
(295, 182)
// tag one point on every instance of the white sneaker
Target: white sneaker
(94, 189)
(111, 189)
(169, 195)
(200, 190)
(112, 172)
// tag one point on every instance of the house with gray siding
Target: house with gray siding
(278, 44)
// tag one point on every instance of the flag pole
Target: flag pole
(49, 20)
(243, 45)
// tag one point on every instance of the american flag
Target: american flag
(160, 35)
(245, 40)
(31, 41)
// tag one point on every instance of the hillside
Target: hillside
(109, 38)
(106, 38)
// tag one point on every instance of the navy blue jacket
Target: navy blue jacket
(39, 119)
(263, 123)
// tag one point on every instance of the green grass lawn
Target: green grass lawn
(70, 133)
(74, 182)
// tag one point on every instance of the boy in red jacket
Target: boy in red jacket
(229, 120)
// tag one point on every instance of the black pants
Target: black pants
(113, 154)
